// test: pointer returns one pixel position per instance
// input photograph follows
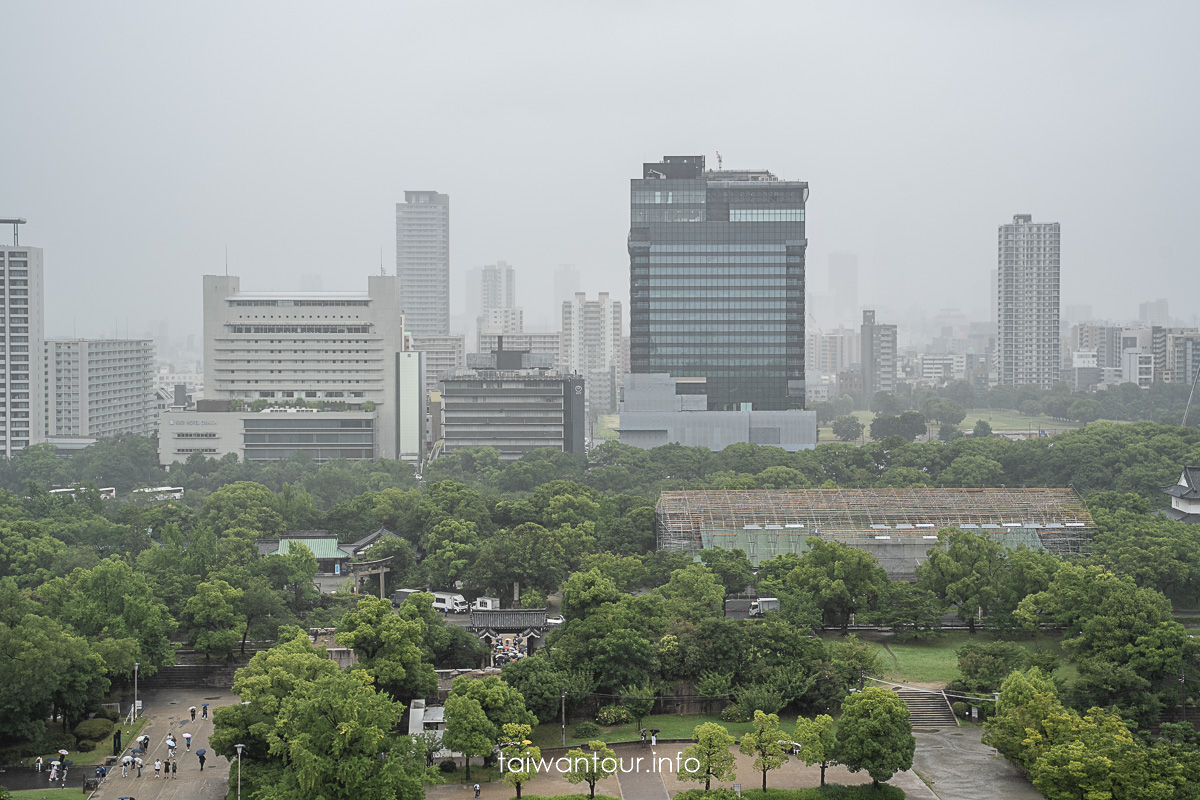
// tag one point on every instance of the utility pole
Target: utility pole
(564, 718)
(1183, 695)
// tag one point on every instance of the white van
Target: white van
(447, 602)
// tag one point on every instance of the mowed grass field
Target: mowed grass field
(1001, 419)
(934, 662)
(670, 726)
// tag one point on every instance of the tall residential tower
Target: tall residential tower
(22, 330)
(1028, 349)
(423, 261)
(716, 283)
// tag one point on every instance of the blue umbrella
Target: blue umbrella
(201, 751)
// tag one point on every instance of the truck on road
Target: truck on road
(762, 605)
(448, 602)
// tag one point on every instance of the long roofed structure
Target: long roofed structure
(897, 525)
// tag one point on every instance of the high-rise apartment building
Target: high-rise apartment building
(1028, 344)
(591, 346)
(716, 283)
(1155, 312)
(22, 331)
(878, 356)
(100, 387)
(441, 353)
(423, 261)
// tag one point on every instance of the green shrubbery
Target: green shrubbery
(585, 730)
(85, 746)
(94, 729)
(961, 709)
(447, 766)
(614, 715)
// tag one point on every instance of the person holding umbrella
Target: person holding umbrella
(643, 733)
(200, 755)
(53, 771)
(654, 737)
(204, 711)
(137, 762)
(37, 764)
(187, 741)
(192, 710)
(125, 762)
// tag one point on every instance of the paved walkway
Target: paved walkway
(166, 711)
(958, 766)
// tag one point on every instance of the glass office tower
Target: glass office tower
(716, 281)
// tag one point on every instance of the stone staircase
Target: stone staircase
(928, 709)
(192, 676)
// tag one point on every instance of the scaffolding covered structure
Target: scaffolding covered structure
(898, 525)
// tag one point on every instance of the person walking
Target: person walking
(53, 772)
(204, 711)
(137, 762)
(37, 764)
(201, 757)
(158, 767)
(175, 770)
(193, 711)
(477, 791)
(125, 762)
(187, 742)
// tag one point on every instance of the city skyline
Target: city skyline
(916, 127)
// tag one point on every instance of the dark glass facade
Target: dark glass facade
(716, 287)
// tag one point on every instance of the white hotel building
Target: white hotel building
(337, 347)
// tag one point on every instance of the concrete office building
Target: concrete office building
(546, 343)
(878, 356)
(100, 387)
(1028, 344)
(423, 261)
(592, 347)
(716, 290)
(658, 409)
(22, 332)
(843, 284)
(336, 347)
(269, 435)
(513, 401)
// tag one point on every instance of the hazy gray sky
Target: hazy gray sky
(140, 140)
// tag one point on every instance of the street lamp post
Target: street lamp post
(136, 664)
(240, 748)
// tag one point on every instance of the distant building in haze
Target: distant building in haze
(716, 262)
(843, 284)
(423, 261)
(878, 356)
(1154, 312)
(100, 387)
(22, 302)
(1028, 343)
(592, 346)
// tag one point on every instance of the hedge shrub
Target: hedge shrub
(94, 729)
(961, 709)
(614, 715)
(734, 713)
(53, 742)
(585, 730)
(85, 746)
(447, 766)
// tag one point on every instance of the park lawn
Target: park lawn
(670, 726)
(46, 794)
(934, 661)
(1009, 419)
(606, 428)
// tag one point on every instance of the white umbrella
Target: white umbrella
(63, 752)
(127, 760)
(55, 763)
(138, 761)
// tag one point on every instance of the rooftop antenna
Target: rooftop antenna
(381, 272)
(719, 161)
(1188, 407)
(14, 221)
(226, 261)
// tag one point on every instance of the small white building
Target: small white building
(1185, 496)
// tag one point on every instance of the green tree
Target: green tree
(694, 593)
(711, 754)
(848, 428)
(982, 429)
(766, 742)
(817, 741)
(212, 619)
(1027, 703)
(590, 766)
(468, 729)
(502, 703)
(388, 648)
(874, 734)
(965, 570)
(586, 591)
(639, 700)
(337, 740)
(731, 567)
(519, 755)
(842, 580)
(714, 685)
